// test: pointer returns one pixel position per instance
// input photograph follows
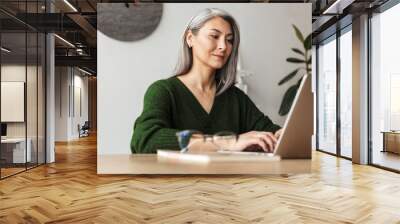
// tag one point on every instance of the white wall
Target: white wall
(80, 83)
(126, 69)
(61, 103)
(66, 119)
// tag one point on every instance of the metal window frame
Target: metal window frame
(339, 32)
(387, 5)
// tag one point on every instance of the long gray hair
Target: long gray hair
(225, 76)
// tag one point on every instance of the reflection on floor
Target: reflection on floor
(10, 169)
(386, 159)
(70, 191)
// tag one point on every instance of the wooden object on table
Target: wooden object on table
(391, 141)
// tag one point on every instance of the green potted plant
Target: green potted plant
(303, 59)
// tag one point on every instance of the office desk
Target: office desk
(17, 150)
(148, 164)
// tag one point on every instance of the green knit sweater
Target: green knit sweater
(169, 107)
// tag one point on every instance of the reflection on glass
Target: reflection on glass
(22, 90)
(225, 140)
(196, 141)
(31, 101)
(346, 94)
(327, 96)
(14, 153)
(41, 98)
(385, 114)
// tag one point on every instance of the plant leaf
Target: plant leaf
(297, 51)
(307, 42)
(309, 60)
(287, 100)
(288, 77)
(295, 60)
(298, 33)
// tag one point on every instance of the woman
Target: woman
(202, 96)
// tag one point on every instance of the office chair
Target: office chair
(84, 130)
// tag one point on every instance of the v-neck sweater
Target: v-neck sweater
(169, 107)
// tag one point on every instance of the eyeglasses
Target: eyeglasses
(224, 140)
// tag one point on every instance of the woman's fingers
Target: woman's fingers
(272, 136)
(269, 142)
(270, 139)
(274, 140)
(278, 133)
(265, 140)
(262, 144)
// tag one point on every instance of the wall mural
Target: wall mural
(128, 22)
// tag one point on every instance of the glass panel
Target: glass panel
(41, 99)
(327, 96)
(385, 89)
(31, 101)
(346, 94)
(23, 84)
(13, 86)
(32, 90)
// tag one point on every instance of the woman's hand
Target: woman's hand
(264, 140)
(278, 133)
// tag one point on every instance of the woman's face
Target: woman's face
(212, 45)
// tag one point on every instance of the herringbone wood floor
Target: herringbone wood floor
(70, 191)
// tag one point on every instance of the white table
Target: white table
(19, 149)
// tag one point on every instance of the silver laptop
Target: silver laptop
(295, 141)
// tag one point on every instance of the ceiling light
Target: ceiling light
(70, 5)
(64, 40)
(337, 7)
(5, 50)
(84, 71)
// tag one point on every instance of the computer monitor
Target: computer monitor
(3, 129)
(295, 141)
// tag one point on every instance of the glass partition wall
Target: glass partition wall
(326, 96)
(345, 93)
(334, 94)
(334, 101)
(22, 88)
(385, 89)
